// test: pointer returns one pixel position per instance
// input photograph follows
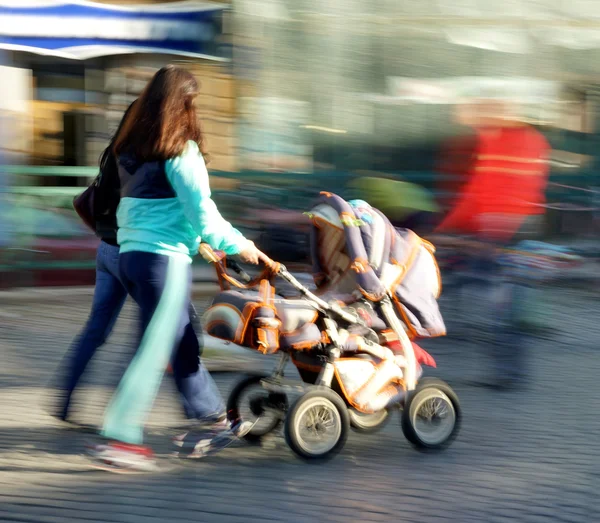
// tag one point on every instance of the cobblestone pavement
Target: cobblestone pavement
(529, 456)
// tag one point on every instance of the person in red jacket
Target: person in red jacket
(502, 185)
(505, 179)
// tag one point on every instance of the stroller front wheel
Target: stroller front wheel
(316, 426)
(432, 415)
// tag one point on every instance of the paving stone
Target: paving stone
(524, 456)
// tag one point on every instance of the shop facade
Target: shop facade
(84, 62)
(365, 75)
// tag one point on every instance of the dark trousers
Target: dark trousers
(161, 286)
(504, 297)
(109, 296)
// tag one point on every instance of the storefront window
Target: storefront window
(336, 60)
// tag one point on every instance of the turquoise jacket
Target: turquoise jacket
(166, 208)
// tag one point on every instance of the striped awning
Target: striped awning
(80, 30)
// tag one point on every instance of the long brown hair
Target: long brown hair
(107, 158)
(163, 118)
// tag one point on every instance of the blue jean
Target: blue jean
(161, 286)
(109, 297)
(196, 388)
(508, 347)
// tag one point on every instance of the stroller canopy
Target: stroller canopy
(355, 248)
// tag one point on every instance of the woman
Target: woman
(165, 211)
(109, 292)
(109, 297)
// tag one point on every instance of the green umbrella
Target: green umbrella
(396, 199)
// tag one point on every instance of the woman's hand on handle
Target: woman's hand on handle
(250, 254)
(254, 256)
(264, 259)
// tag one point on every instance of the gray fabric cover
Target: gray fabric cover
(296, 315)
(416, 294)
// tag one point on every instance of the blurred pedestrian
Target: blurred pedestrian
(165, 210)
(504, 190)
(505, 176)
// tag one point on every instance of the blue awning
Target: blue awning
(80, 30)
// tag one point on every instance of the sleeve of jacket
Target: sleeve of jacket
(189, 178)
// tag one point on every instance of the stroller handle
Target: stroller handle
(214, 256)
(272, 268)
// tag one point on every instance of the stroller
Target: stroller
(351, 339)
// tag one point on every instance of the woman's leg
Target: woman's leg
(109, 297)
(200, 396)
(160, 286)
(199, 393)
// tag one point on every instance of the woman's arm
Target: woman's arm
(189, 178)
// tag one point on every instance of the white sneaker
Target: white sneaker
(222, 435)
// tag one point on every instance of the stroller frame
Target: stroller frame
(321, 394)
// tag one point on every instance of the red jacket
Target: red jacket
(507, 180)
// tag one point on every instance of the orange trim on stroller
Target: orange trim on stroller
(263, 345)
(369, 296)
(305, 345)
(415, 244)
(317, 219)
(360, 265)
(246, 317)
(412, 332)
(266, 274)
(347, 396)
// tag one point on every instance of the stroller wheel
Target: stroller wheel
(316, 426)
(249, 401)
(432, 415)
(368, 423)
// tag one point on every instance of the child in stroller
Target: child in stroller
(351, 339)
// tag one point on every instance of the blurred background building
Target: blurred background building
(74, 67)
(334, 90)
